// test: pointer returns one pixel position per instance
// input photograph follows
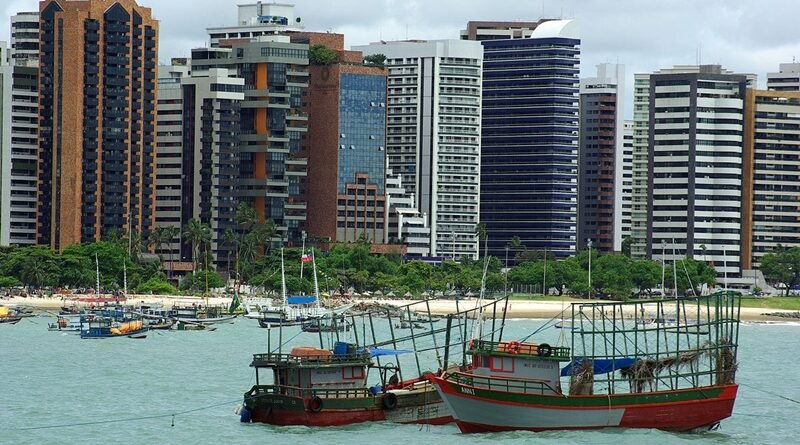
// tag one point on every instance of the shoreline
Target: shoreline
(516, 308)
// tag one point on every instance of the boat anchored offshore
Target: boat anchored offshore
(320, 387)
(619, 373)
(107, 327)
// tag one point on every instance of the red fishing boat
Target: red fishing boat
(320, 387)
(618, 372)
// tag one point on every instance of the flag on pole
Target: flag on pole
(235, 302)
(305, 258)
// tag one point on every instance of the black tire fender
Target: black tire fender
(389, 400)
(315, 404)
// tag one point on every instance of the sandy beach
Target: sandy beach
(517, 308)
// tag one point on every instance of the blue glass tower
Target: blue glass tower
(529, 139)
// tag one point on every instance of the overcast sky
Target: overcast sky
(742, 35)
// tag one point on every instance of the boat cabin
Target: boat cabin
(306, 371)
(536, 363)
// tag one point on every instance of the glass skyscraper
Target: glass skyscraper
(529, 136)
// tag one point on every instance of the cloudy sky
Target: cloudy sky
(645, 35)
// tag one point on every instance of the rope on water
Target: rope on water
(129, 419)
(771, 393)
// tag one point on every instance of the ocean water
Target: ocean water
(58, 388)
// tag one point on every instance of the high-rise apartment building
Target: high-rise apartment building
(19, 133)
(433, 134)
(273, 122)
(18, 174)
(170, 156)
(786, 79)
(529, 136)
(97, 85)
(25, 39)
(771, 189)
(601, 165)
(347, 145)
(640, 145)
(695, 166)
(198, 160)
(627, 179)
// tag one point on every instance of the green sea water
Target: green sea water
(57, 388)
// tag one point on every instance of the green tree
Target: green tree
(198, 234)
(692, 275)
(157, 286)
(322, 55)
(376, 60)
(202, 279)
(611, 275)
(646, 275)
(627, 242)
(782, 266)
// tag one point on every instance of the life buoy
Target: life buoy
(315, 404)
(513, 347)
(390, 400)
(544, 350)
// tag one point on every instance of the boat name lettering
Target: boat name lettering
(469, 391)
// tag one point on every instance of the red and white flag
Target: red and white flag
(305, 258)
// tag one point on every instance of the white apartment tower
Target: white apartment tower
(25, 39)
(433, 134)
(197, 174)
(695, 166)
(786, 79)
(19, 132)
(627, 177)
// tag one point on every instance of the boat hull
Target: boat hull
(479, 410)
(96, 333)
(277, 409)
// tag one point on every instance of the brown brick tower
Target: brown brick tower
(97, 79)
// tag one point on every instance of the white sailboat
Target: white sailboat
(296, 310)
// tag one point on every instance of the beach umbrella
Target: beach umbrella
(408, 295)
(391, 294)
(377, 293)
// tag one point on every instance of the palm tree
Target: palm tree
(158, 237)
(246, 216)
(170, 232)
(197, 234)
(231, 239)
(480, 231)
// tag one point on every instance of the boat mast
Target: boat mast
(283, 280)
(97, 275)
(590, 268)
(477, 328)
(316, 282)
(663, 268)
(124, 279)
(674, 269)
(302, 254)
